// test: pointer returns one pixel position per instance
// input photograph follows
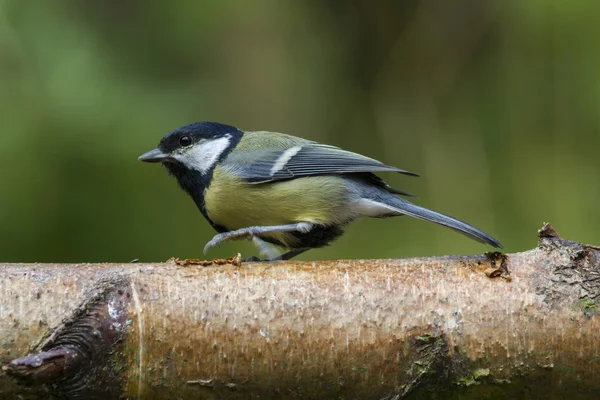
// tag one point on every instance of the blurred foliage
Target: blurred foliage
(495, 103)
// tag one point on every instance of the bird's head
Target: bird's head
(195, 147)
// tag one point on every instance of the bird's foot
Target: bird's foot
(217, 240)
(282, 257)
(212, 243)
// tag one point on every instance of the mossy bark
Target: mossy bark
(496, 325)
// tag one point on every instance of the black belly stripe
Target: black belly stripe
(196, 183)
(318, 236)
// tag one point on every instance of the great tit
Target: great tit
(281, 189)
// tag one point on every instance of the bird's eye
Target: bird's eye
(185, 141)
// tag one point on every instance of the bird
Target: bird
(281, 190)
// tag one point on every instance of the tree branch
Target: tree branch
(497, 324)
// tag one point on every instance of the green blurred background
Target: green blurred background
(495, 103)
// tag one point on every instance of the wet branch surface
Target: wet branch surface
(523, 325)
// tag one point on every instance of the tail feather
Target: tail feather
(410, 209)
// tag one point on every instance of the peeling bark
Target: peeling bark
(498, 325)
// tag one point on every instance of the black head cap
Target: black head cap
(194, 132)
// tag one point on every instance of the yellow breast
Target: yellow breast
(235, 204)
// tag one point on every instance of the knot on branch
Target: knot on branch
(573, 267)
(74, 361)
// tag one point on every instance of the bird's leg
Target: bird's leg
(290, 254)
(285, 256)
(252, 231)
(265, 249)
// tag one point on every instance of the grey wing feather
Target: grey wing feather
(311, 159)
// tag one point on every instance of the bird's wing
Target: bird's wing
(303, 158)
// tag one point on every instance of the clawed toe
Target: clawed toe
(210, 244)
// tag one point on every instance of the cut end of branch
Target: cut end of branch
(547, 231)
(78, 356)
(45, 366)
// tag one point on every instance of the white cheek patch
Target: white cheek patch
(203, 155)
(284, 158)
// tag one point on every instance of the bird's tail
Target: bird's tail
(405, 207)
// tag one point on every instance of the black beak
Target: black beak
(153, 156)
